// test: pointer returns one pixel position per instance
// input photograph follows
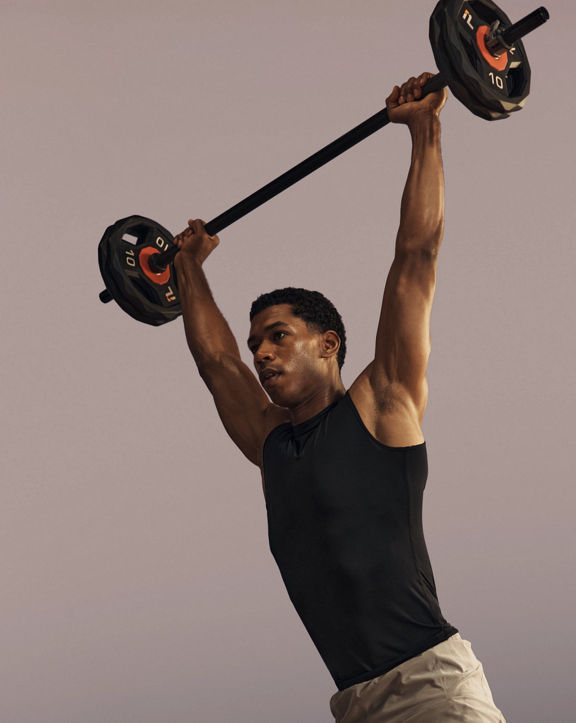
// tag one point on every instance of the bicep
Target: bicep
(403, 337)
(240, 401)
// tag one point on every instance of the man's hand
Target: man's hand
(405, 103)
(194, 243)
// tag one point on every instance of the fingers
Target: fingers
(179, 239)
(410, 91)
(194, 241)
(195, 226)
(392, 99)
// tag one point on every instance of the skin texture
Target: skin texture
(391, 393)
(309, 379)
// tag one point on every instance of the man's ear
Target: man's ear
(330, 343)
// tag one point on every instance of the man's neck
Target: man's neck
(316, 403)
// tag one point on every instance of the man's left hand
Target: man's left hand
(405, 103)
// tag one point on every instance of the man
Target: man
(343, 471)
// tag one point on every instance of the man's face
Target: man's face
(281, 342)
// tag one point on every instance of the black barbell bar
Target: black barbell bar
(502, 40)
(158, 262)
(499, 42)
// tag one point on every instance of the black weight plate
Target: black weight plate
(138, 290)
(438, 35)
(505, 89)
(139, 296)
(117, 282)
(478, 100)
(447, 59)
(115, 288)
(472, 79)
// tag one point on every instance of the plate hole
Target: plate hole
(130, 238)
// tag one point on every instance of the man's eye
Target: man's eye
(276, 333)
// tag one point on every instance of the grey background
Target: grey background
(137, 581)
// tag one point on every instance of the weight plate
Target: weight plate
(461, 91)
(150, 298)
(438, 34)
(506, 88)
(490, 88)
(116, 288)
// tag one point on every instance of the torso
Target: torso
(390, 416)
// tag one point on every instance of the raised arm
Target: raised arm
(240, 400)
(403, 337)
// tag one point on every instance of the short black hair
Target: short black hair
(314, 308)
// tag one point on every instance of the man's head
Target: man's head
(300, 334)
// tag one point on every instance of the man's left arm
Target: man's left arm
(403, 337)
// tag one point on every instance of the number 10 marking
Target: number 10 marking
(497, 81)
(130, 260)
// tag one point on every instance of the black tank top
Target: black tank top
(345, 528)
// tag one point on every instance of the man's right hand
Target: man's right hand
(194, 243)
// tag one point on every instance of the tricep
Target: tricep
(240, 400)
(403, 336)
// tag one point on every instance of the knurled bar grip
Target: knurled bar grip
(158, 262)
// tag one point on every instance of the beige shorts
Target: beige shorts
(444, 684)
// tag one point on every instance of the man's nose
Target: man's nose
(263, 353)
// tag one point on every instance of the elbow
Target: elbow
(425, 235)
(428, 249)
(215, 363)
(425, 242)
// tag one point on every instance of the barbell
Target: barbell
(481, 58)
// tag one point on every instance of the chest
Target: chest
(332, 476)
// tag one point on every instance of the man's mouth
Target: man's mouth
(268, 377)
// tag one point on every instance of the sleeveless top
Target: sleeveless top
(345, 528)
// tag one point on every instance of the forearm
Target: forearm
(422, 209)
(207, 332)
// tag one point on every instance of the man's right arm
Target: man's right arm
(240, 400)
